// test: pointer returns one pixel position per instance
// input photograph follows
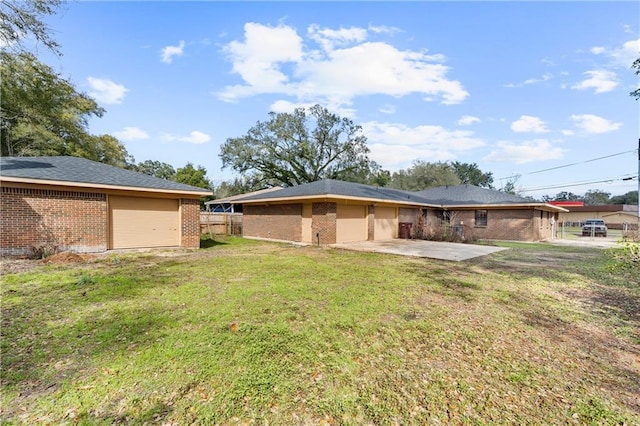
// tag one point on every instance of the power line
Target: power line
(569, 165)
(627, 177)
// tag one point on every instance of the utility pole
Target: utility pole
(638, 186)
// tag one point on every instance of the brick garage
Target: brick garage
(65, 203)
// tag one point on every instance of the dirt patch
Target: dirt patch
(19, 266)
(67, 257)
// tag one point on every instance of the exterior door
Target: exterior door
(386, 225)
(351, 223)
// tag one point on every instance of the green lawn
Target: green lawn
(247, 332)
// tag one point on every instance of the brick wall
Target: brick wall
(68, 220)
(190, 214)
(277, 222)
(516, 225)
(503, 224)
(323, 222)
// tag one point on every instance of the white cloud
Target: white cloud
(600, 80)
(526, 152)
(328, 38)
(620, 57)
(387, 109)
(594, 124)
(625, 55)
(284, 106)
(169, 52)
(568, 132)
(383, 29)
(468, 120)
(195, 137)
(106, 91)
(131, 134)
(548, 62)
(257, 60)
(543, 78)
(276, 60)
(529, 124)
(395, 145)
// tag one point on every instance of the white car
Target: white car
(594, 227)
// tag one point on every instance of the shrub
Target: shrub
(43, 251)
(626, 257)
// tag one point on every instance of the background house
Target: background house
(80, 205)
(616, 216)
(331, 211)
(229, 204)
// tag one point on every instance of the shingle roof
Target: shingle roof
(459, 195)
(470, 195)
(83, 171)
(337, 187)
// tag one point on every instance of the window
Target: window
(481, 218)
(444, 216)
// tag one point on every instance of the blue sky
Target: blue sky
(514, 87)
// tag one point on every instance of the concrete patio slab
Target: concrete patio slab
(420, 248)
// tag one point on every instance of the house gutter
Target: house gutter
(541, 206)
(326, 197)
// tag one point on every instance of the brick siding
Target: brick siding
(190, 216)
(515, 225)
(323, 222)
(502, 224)
(276, 222)
(68, 220)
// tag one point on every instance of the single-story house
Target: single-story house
(332, 211)
(614, 215)
(79, 205)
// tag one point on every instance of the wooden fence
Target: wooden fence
(220, 223)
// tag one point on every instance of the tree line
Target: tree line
(594, 197)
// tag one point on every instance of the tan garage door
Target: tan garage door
(143, 222)
(351, 223)
(385, 223)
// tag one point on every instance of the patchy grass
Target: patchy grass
(246, 330)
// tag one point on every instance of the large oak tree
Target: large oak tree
(300, 147)
(22, 19)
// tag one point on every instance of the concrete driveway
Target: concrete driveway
(420, 248)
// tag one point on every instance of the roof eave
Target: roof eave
(544, 206)
(335, 197)
(202, 193)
